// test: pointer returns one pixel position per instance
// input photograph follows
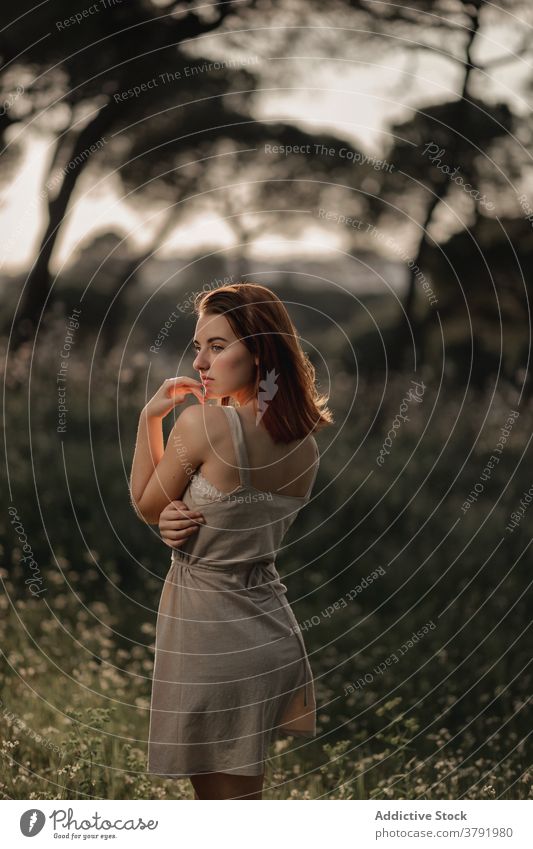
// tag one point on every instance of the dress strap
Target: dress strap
(239, 444)
(241, 452)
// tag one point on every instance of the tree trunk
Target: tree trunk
(38, 285)
(407, 320)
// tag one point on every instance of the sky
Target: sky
(317, 95)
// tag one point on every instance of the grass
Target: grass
(448, 720)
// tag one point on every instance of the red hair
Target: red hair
(260, 320)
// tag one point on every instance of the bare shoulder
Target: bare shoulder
(312, 449)
(308, 447)
(203, 423)
(196, 429)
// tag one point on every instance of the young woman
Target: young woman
(231, 670)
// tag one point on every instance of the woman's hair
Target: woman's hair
(285, 378)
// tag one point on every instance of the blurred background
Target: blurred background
(371, 163)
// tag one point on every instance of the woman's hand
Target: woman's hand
(177, 523)
(173, 391)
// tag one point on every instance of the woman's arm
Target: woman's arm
(159, 475)
(153, 485)
(149, 449)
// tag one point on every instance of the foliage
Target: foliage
(447, 720)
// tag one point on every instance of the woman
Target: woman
(231, 670)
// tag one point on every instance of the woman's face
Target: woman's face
(223, 358)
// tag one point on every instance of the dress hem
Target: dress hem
(232, 770)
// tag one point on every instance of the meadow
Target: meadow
(441, 715)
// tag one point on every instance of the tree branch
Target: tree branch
(433, 49)
(401, 15)
(191, 25)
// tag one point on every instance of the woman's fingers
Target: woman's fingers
(182, 385)
(179, 505)
(180, 524)
(184, 379)
(178, 508)
(172, 391)
(174, 506)
(176, 522)
(176, 538)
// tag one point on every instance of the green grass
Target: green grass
(449, 720)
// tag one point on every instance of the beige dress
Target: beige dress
(231, 669)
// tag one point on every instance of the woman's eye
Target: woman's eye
(219, 347)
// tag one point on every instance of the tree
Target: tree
(128, 91)
(440, 153)
(83, 64)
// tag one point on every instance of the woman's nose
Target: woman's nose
(200, 364)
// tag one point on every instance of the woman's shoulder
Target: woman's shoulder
(203, 415)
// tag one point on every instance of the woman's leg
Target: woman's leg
(224, 785)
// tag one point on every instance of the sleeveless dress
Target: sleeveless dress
(231, 670)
